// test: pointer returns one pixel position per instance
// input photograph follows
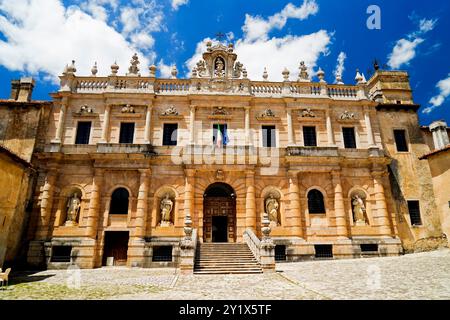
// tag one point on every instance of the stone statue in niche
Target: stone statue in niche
(127, 109)
(73, 209)
(219, 68)
(166, 207)
(272, 207)
(359, 209)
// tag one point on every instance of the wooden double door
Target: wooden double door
(219, 222)
(116, 247)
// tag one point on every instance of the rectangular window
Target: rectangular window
(280, 253)
(323, 251)
(83, 132)
(220, 135)
(414, 213)
(309, 136)
(400, 140)
(369, 247)
(269, 137)
(126, 132)
(349, 138)
(170, 134)
(162, 253)
(61, 253)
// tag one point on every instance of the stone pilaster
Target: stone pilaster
(247, 126)
(142, 203)
(106, 120)
(61, 120)
(330, 134)
(250, 200)
(94, 204)
(339, 206)
(382, 216)
(290, 126)
(189, 194)
(148, 123)
(368, 123)
(192, 125)
(294, 218)
(46, 205)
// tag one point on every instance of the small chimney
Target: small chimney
(26, 90)
(15, 86)
(440, 136)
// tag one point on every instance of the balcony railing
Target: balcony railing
(313, 151)
(124, 148)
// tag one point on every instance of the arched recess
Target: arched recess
(360, 192)
(161, 194)
(120, 202)
(65, 196)
(219, 213)
(279, 196)
(316, 202)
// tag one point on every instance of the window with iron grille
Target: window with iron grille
(349, 138)
(119, 201)
(309, 136)
(414, 213)
(83, 132)
(126, 132)
(170, 134)
(369, 247)
(61, 253)
(323, 251)
(400, 140)
(315, 202)
(162, 253)
(280, 253)
(268, 136)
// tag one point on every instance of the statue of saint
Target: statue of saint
(166, 209)
(73, 208)
(359, 209)
(272, 207)
(219, 68)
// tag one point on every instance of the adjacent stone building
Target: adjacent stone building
(130, 163)
(22, 122)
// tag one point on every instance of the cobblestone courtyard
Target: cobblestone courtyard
(417, 276)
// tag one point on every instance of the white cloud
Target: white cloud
(99, 9)
(36, 44)
(142, 40)
(130, 19)
(340, 64)
(165, 70)
(258, 28)
(439, 99)
(178, 3)
(403, 52)
(405, 49)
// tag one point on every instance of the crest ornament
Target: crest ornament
(307, 113)
(346, 115)
(171, 111)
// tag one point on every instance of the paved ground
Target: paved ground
(418, 276)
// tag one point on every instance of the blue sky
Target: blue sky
(39, 37)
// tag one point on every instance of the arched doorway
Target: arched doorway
(219, 213)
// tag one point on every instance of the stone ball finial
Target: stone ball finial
(114, 68)
(174, 72)
(94, 70)
(71, 68)
(152, 70)
(265, 74)
(321, 75)
(339, 78)
(358, 77)
(286, 74)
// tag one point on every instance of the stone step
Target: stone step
(228, 272)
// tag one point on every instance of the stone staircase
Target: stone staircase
(225, 258)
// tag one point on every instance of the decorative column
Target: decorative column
(291, 141)
(294, 219)
(380, 203)
(339, 206)
(250, 200)
(247, 126)
(46, 204)
(142, 203)
(189, 193)
(330, 133)
(370, 138)
(148, 123)
(192, 125)
(105, 129)
(94, 204)
(61, 120)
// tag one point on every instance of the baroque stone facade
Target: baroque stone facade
(129, 161)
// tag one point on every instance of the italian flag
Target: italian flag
(219, 138)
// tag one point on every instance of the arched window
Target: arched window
(315, 202)
(119, 201)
